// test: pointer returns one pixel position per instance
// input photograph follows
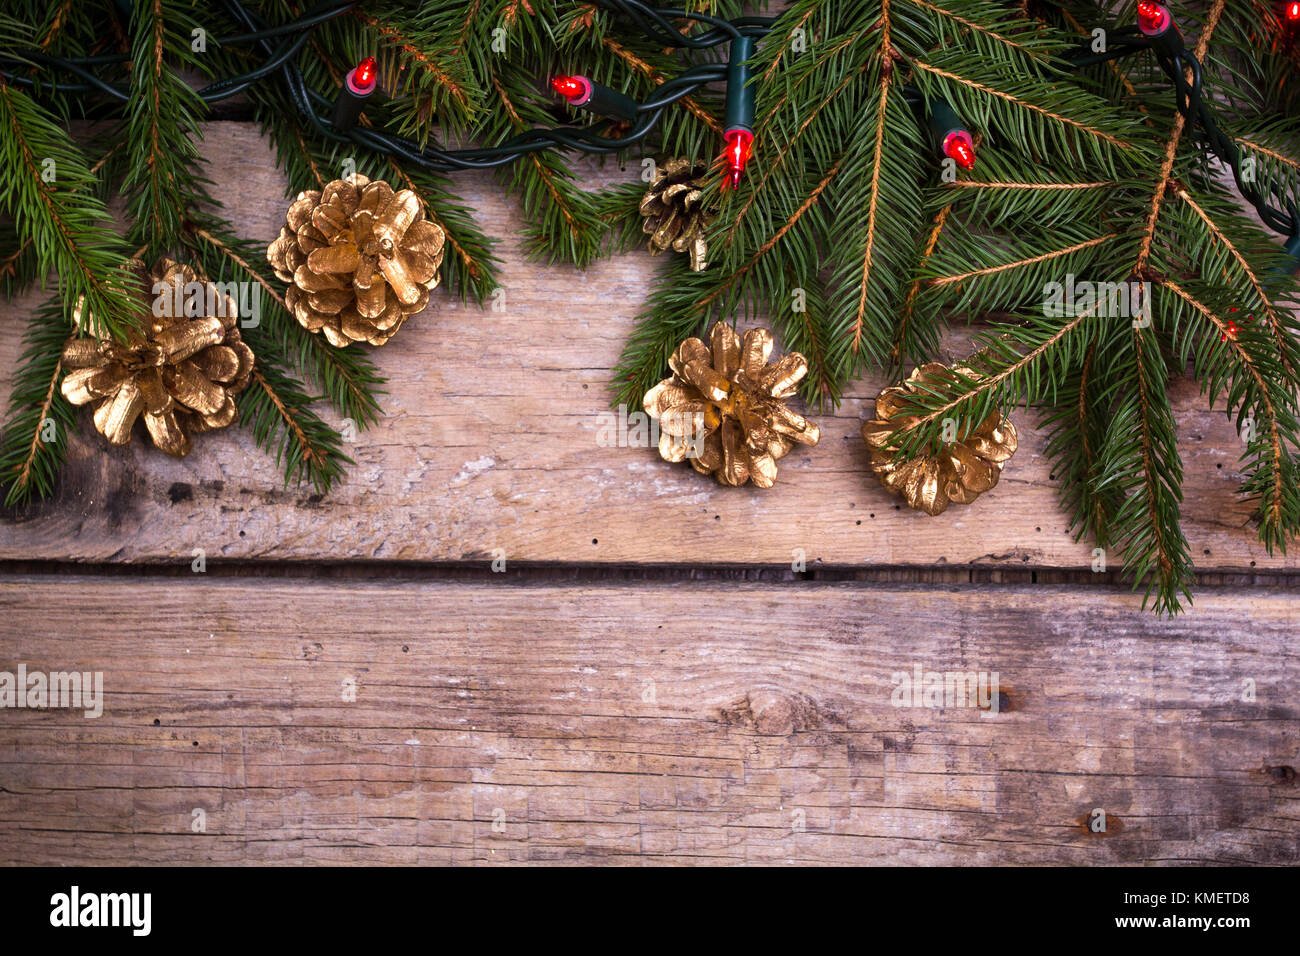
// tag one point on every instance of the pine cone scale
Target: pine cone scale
(85, 385)
(193, 389)
(404, 287)
(182, 341)
(165, 431)
(307, 280)
(341, 259)
(219, 363)
(115, 417)
(300, 210)
(333, 301)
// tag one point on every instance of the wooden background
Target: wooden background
(648, 681)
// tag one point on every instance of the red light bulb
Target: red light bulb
(575, 89)
(1293, 12)
(739, 144)
(1153, 18)
(365, 74)
(960, 148)
(1232, 330)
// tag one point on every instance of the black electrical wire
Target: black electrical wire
(655, 22)
(657, 25)
(1114, 51)
(1193, 107)
(440, 160)
(221, 89)
(306, 22)
(534, 140)
(236, 84)
(92, 82)
(1190, 102)
(213, 92)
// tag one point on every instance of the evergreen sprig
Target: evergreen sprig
(33, 443)
(165, 181)
(59, 219)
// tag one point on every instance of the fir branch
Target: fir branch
(1028, 43)
(1022, 103)
(1008, 366)
(1275, 406)
(1141, 460)
(961, 277)
(780, 158)
(1266, 151)
(282, 423)
(619, 207)
(907, 342)
(803, 332)
(1032, 187)
(873, 202)
(33, 442)
(1112, 65)
(1270, 311)
(58, 19)
(17, 263)
(165, 177)
(563, 223)
(1075, 429)
(813, 197)
(306, 153)
(683, 304)
(646, 70)
(787, 32)
(1171, 148)
(67, 225)
(428, 77)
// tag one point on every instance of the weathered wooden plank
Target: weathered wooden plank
(491, 442)
(697, 723)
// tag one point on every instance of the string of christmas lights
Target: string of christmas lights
(296, 32)
(1156, 30)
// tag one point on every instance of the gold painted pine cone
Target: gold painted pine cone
(359, 259)
(673, 214)
(181, 374)
(962, 471)
(724, 408)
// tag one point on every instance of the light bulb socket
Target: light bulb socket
(943, 120)
(739, 113)
(611, 103)
(598, 98)
(352, 100)
(1166, 39)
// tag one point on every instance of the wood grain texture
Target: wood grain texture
(490, 441)
(634, 724)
